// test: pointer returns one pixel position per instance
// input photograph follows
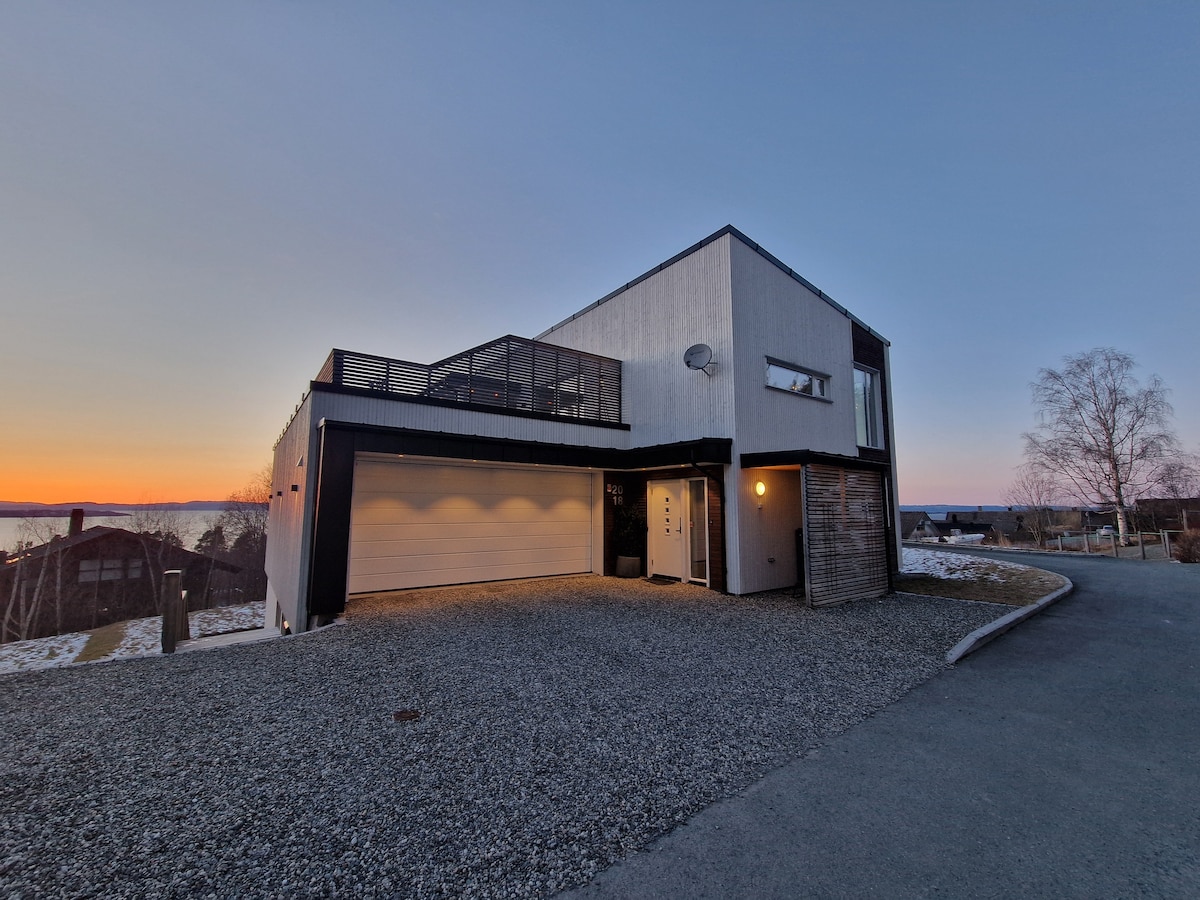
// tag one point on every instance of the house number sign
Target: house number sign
(617, 493)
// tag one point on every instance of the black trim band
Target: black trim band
(410, 441)
(806, 457)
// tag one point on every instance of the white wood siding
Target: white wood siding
(774, 315)
(288, 537)
(422, 524)
(398, 414)
(648, 327)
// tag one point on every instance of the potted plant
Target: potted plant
(629, 540)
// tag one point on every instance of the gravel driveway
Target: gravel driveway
(564, 723)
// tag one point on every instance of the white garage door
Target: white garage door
(417, 524)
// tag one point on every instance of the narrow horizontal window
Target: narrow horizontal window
(797, 381)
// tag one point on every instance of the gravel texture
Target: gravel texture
(563, 724)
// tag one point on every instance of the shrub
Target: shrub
(1186, 546)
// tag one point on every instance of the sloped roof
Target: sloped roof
(102, 532)
(717, 235)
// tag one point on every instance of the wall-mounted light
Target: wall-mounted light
(760, 488)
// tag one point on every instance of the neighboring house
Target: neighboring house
(763, 461)
(916, 525)
(1077, 520)
(95, 577)
(1168, 514)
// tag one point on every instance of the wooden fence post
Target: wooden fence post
(1166, 542)
(174, 606)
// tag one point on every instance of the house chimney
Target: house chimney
(76, 523)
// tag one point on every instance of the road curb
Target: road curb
(993, 630)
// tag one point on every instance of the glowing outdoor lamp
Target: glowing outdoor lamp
(760, 488)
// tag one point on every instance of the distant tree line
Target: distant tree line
(239, 536)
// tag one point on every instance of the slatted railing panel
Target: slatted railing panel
(508, 373)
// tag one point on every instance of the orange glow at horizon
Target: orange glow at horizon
(82, 475)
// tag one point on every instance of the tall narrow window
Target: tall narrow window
(867, 410)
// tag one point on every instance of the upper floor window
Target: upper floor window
(868, 410)
(796, 380)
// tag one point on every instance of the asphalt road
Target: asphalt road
(1061, 760)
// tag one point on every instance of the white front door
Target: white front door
(678, 525)
(666, 514)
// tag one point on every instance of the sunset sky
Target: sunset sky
(199, 200)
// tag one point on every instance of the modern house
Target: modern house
(719, 418)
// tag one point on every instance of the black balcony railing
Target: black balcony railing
(511, 373)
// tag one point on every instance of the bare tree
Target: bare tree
(246, 510)
(29, 590)
(243, 524)
(159, 528)
(1181, 477)
(1100, 433)
(1034, 493)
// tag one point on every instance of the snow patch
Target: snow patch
(142, 637)
(954, 565)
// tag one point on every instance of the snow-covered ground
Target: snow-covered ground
(954, 565)
(142, 637)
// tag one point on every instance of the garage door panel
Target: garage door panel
(481, 481)
(377, 534)
(467, 515)
(400, 581)
(560, 559)
(420, 524)
(435, 545)
(407, 523)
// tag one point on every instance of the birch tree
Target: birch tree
(1034, 493)
(1100, 433)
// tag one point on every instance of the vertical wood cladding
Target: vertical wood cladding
(847, 555)
(716, 532)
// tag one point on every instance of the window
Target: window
(795, 380)
(867, 409)
(107, 570)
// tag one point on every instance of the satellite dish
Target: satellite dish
(698, 356)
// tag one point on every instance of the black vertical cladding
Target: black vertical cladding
(330, 556)
(870, 351)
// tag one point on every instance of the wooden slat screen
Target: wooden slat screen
(508, 373)
(846, 554)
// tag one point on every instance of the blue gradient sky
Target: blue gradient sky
(201, 199)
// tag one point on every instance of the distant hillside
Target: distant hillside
(15, 509)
